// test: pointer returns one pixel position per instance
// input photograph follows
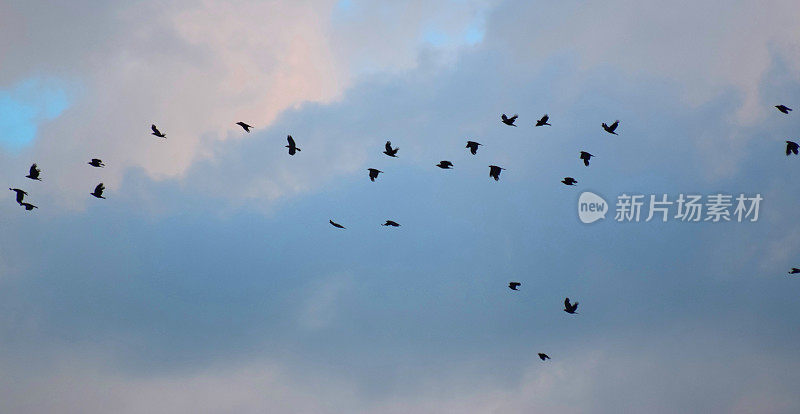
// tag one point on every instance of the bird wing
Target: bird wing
(388, 146)
(614, 125)
(504, 117)
(291, 141)
(513, 117)
(567, 304)
(155, 130)
(99, 189)
(34, 170)
(545, 118)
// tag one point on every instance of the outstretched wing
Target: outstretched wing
(291, 141)
(155, 130)
(513, 118)
(34, 171)
(614, 125)
(504, 117)
(99, 189)
(388, 146)
(544, 118)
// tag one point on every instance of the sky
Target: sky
(209, 280)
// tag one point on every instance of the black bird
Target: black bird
(390, 223)
(514, 285)
(335, 224)
(156, 132)
(445, 165)
(494, 172)
(28, 206)
(473, 147)
(794, 271)
(244, 126)
(543, 121)
(34, 172)
(20, 194)
(373, 173)
(611, 128)
(509, 121)
(569, 181)
(783, 108)
(543, 356)
(96, 163)
(98, 191)
(392, 152)
(570, 307)
(292, 146)
(585, 156)
(791, 148)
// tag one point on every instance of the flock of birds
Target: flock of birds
(494, 172)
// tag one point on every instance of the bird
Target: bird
(244, 126)
(514, 285)
(335, 224)
(28, 206)
(543, 121)
(392, 152)
(34, 172)
(98, 191)
(791, 148)
(494, 172)
(445, 165)
(156, 132)
(95, 162)
(794, 271)
(585, 156)
(390, 223)
(509, 121)
(373, 173)
(611, 128)
(473, 147)
(570, 307)
(783, 108)
(569, 181)
(20, 194)
(543, 356)
(292, 146)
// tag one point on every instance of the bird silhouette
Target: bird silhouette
(585, 156)
(156, 132)
(373, 173)
(494, 172)
(611, 128)
(570, 307)
(292, 146)
(445, 165)
(392, 152)
(98, 191)
(20, 194)
(509, 121)
(794, 271)
(543, 121)
(335, 224)
(390, 223)
(514, 285)
(96, 163)
(569, 181)
(34, 172)
(244, 126)
(28, 206)
(543, 356)
(473, 147)
(791, 148)
(783, 108)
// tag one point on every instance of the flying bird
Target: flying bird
(244, 126)
(98, 191)
(20, 194)
(96, 163)
(373, 173)
(514, 285)
(494, 172)
(156, 132)
(335, 224)
(473, 147)
(783, 108)
(794, 271)
(292, 146)
(390, 223)
(543, 121)
(28, 206)
(543, 356)
(34, 172)
(569, 181)
(611, 128)
(445, 165)
(509, 121)
(791, 148)
(585, 156)
(392, 152)
(570, 307)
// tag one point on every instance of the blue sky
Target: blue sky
(210, 279)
